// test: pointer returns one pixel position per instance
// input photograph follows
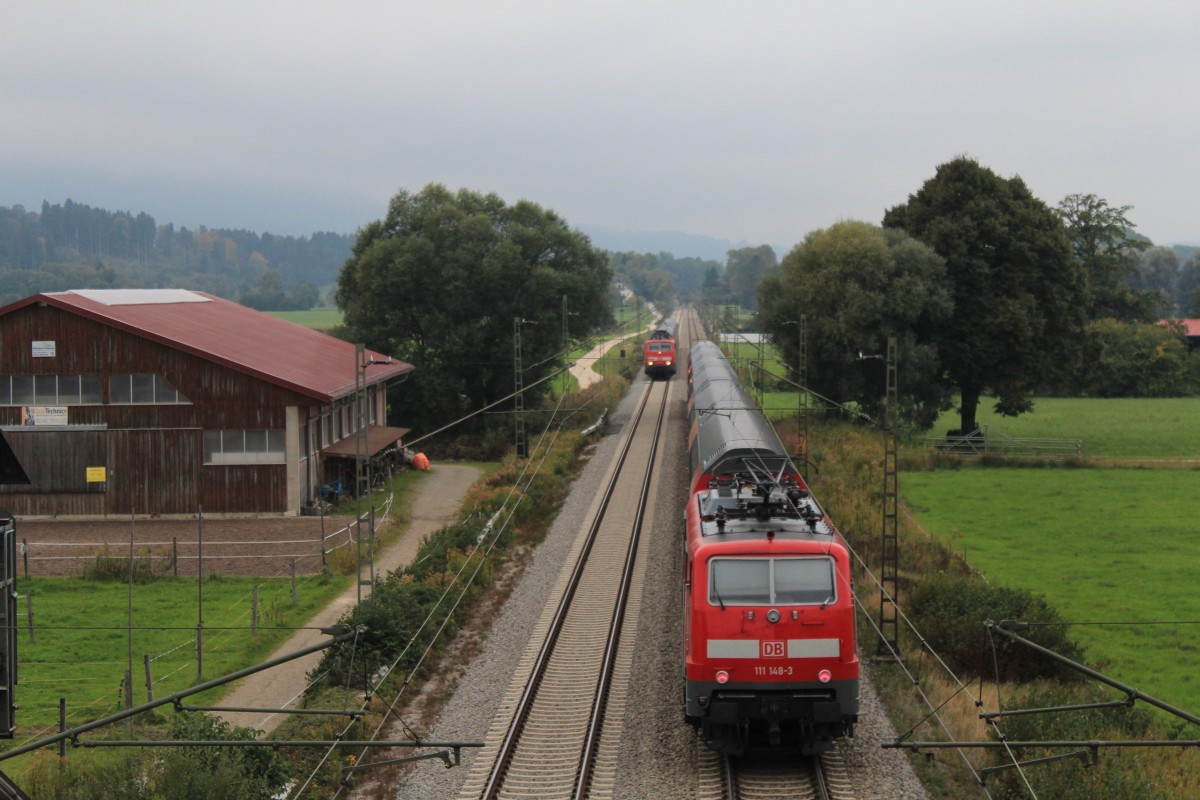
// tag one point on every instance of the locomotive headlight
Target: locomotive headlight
(723, 676)
(773, 615)
(824, 676)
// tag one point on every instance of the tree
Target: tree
(439, 281)
(268, 294)
(1018, 291)
(1134, 360)
(1101, 240)
(642, 273)
(714, 289)
(1158, 277)
(857, 285)
(744, 268)
(1187, 286)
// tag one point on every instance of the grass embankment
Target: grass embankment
(1097, 543)
(1103, 545)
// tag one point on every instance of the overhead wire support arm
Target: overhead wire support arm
(1006, 629)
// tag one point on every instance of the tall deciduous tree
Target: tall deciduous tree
(1187, 287)
(858, 284)
(439, 281)
(1158, 276)
(744, 269)
(1018, 291)
(1102, 243)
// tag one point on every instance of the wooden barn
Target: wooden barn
(167, 402)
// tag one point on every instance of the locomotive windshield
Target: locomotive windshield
(659, 347)
(770, 581)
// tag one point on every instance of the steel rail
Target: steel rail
(592, 740)
(508, 745)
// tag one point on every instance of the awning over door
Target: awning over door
(378, 439)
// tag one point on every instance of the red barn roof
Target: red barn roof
(268, 348)
(1191, 327)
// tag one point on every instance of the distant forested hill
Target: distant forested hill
(75, 246)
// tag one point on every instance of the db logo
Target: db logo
(773, 649)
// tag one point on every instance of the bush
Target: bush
(1111, 776)
(110, 567)
(950, 611)
(177, 773)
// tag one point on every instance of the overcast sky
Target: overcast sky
(751, 121)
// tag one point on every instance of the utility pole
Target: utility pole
(519, 397)
(889, 641)
(362, 467)
(802, 392)
(361, 478)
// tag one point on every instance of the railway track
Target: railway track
(549, 737)
(821, 777)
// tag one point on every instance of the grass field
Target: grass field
(321, 319)
(80, 646)
(1109, 428)
(1103, 545)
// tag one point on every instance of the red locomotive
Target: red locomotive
(769, 628)
(660, 355)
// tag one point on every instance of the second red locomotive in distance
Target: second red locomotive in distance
(660, 350)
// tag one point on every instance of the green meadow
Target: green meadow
(1166, 428)
(322, 319)
(80, 643)
(1103, 545)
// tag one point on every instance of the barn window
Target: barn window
(770, 581)
(226, 447)
(125, 389)
(49, 390)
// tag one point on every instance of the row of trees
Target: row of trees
(73, 245)
(988, 291)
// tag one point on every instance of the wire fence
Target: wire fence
(241, 547)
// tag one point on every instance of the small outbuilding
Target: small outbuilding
(170, 402)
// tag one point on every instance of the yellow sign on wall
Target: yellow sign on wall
(97, 475)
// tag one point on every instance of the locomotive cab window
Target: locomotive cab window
(660, 347)
(770, 581)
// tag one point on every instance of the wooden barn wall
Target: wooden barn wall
(154, 472)
(245, 489)
(155, 452)
(56, 463)
(56, 460)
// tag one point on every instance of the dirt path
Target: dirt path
(436, 505)
(583, 371)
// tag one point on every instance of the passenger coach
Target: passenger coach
(769, 628)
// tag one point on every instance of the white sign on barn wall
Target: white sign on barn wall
(44, 415)
(43, 349)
